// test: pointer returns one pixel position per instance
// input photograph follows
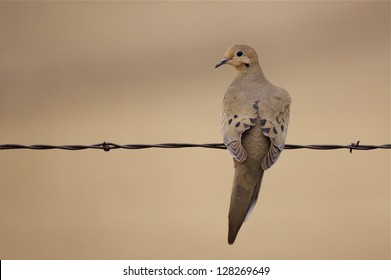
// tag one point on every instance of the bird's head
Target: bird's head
(239, 56)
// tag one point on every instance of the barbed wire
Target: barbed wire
(107, 146)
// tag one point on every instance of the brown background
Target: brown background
(88, 72)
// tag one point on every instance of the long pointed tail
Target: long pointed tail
(245, 191)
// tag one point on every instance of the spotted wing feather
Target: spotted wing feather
(275, 125)
(233, 128)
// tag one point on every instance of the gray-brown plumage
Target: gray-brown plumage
(255, 118)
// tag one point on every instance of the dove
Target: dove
(255, 118)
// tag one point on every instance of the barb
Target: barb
(107, 146)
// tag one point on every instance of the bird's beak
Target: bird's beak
(224, 61)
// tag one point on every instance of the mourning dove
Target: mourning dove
(255, 118)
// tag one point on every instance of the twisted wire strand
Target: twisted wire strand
(107, 146)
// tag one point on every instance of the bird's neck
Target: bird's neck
(251, 72)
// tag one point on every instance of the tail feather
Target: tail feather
(254, 198)
(244, 196)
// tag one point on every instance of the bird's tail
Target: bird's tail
(245, 191)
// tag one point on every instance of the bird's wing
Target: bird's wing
(274, 124)
(233, 126)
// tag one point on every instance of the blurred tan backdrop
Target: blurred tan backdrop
(133, 72)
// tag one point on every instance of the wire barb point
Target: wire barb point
(354, 146)
(106, 147)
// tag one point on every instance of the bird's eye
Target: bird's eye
(239, 53)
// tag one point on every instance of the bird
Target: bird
(254, 120)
